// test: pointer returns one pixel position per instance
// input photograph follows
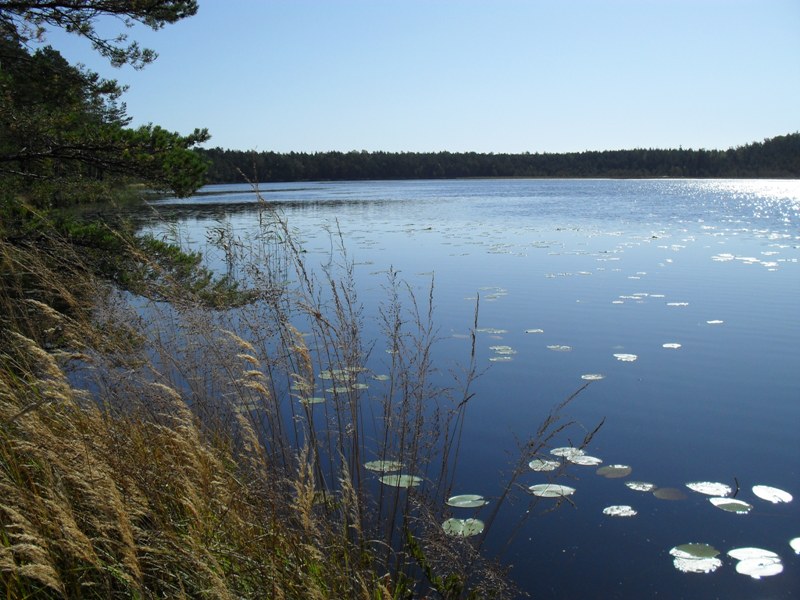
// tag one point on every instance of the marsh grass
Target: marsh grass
(164, 447)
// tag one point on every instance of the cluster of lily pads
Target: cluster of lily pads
(693, 557)
(342, 381)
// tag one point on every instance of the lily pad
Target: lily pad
(551, 490)
(380, 377)
(559, 348)
(312, 400)
(695, 558)
(401, 480)
(585, 460)
(567, 451)
(640, 486)
(614, 471)
(593, 377)
(747, 553)
(795, 544)
(620, 510)
(760, 567)
(710, 488)
(463, 527)
(466, 501)
(625, 357)
(732, 505)
(671, 345)
(771, 494)
(540, 464)
(534, 331)
(383, 466)
(669, 493)
(697, 565)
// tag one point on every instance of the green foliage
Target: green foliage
(64, 135)
(27, 20)
(776, 157)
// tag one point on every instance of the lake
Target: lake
(682, 294)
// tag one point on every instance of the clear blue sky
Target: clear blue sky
(467, 75)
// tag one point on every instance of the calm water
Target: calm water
(605, 268)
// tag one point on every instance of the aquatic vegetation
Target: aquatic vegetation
(383, 466)
(567, 451)
(401, 480)
(551, 490)
(466, 501)
(771, 494)
(695, 558)
(731, 505)
(614, 471)
(669, 493)
(756, 562)
(625, 357)
(671, 345)
(592, 377)
(795, 544)
(640, 486)
(540, 464)
(559, 348)
(463, 527)
(584, 460)
(620, 510)
(710, 488)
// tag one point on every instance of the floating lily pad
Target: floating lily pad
(669, 493)
(795, 544)
(715, 322)
(620, 510)
(697, 565)
(593, 376)
(771, 494)
(466, 501)
(383, 466)
(671, 345)
(534, 331)
(695, 558)
(585, 460)
(747, 553)
(694, 550)
(614, 471)
(540, 464)
(380, 377)
(463, 527)
(710, 488)
(760, 567)
(567, 451)
(559, 348)
(401, 480)
(503, 350)
(500, 359)
(491, 330)
(626, 357)
(732, 505)
(312, 400)
(338, 389)
(360, 386)
(551, 490)
(640, 486)
(756, 562)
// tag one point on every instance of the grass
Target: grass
(156, 445)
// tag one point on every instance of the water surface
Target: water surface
(603, 268)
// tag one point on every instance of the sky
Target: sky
(466, 75)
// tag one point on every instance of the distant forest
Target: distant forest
(778, 157)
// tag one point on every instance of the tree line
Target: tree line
(777, 157)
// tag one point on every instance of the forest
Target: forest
(777, 157)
